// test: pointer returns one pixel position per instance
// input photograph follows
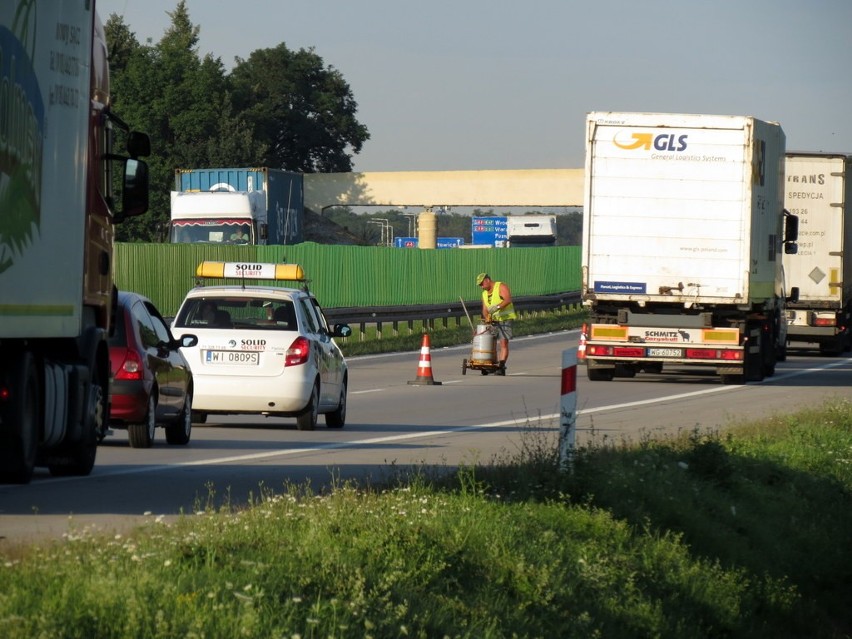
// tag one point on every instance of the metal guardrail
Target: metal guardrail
(430, 313)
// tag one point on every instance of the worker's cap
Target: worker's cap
(480, 278)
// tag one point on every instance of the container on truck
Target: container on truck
(530, 231)
(818, 191)
(237, 206)
(683, 233)
(62, 188)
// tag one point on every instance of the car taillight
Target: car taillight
(131, 366)
(298, 352)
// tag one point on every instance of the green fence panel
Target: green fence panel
(346, 276)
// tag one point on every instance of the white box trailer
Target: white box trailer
(683, 226)
(819, 193)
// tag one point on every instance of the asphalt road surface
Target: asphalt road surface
(393, 425)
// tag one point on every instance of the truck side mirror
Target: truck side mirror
(791, 227)
(264, 231)
(134, 193)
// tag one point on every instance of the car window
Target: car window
(119, 335)
(313, 324)
(159, 325)
(323, 321)
(254, 313)
(142, 320)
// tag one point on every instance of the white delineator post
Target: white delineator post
(568, 409)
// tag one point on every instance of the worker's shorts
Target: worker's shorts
(503, 329)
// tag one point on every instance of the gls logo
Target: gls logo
(662, 142)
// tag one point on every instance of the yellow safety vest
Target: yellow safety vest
(492, 298)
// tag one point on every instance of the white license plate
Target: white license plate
(664, 352)
(238, 358)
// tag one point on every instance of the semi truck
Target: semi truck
(237, 205)
(683, 233)
(818, 191)
(62, 188)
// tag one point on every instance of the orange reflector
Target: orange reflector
(721, 335)
(602, 331)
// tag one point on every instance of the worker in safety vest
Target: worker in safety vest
(497, 308)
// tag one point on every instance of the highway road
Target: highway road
(393, 425)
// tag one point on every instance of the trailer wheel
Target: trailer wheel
(18, 452)
(464, 367)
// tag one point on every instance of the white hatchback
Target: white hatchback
(262, 349)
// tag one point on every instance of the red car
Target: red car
(151, 381)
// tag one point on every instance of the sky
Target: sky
(500, 84)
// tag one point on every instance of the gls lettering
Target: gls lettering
(668, 142)
(661, 142)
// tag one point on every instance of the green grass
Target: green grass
(744, 534)
(410, 338)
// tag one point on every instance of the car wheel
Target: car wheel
(142, 435)
(337, 418)
(180, 432)
(307, 419)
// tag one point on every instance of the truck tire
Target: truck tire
(600, 374)
(79, 458)
(23, 414)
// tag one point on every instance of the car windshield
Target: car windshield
(238, 313)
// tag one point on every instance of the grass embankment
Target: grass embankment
(745, 534)
(409, 340)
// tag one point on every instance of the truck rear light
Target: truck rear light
(598, 350)
(298, 352)
(825, 321)
(629, 351)
(131, 366)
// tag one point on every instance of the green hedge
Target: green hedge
(343, 276)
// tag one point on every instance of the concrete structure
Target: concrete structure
(530, 187)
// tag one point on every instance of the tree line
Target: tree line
(278, 108)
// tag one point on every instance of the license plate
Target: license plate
(239, 358)
(664, 352)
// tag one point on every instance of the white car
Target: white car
(262, 349)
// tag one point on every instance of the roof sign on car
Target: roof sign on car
(251, 271)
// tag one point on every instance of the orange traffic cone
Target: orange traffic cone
(581, 347)
(424, 370)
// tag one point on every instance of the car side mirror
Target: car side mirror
(185, 341)
(341, 330)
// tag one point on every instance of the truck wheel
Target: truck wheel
(733, 380)
(600, 374)
(142, 435)
(19, 446)
(79, 458)
(180, 432)
(307, 419)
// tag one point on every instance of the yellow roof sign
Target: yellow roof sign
(251, 271)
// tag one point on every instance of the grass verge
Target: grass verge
(370, 343)
(745, 534)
